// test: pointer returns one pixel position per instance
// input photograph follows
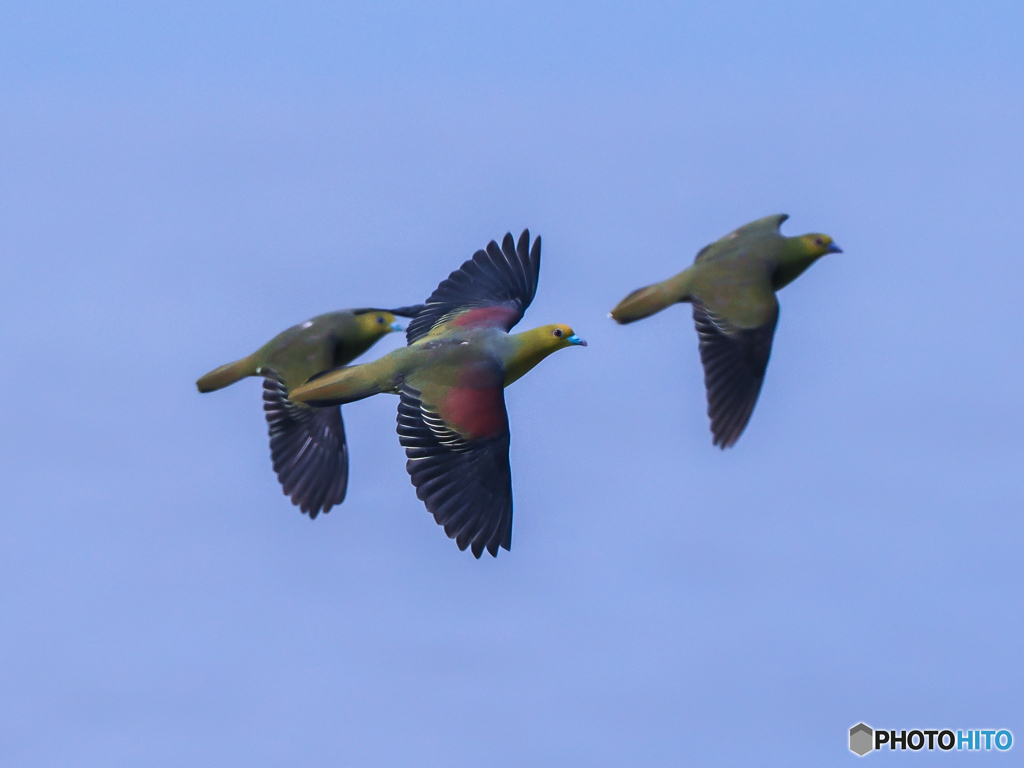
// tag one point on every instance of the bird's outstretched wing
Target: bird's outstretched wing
(307, 446)
(462, 473)
(410, 311)
(767, 226)
(735, 359)
(492, 289)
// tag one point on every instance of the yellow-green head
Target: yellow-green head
(375, 324)
(534, 345)
(798, 254)
(817, 245)
(555, 337)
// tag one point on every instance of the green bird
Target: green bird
(451, 378)
(732, 286)
(307, 445)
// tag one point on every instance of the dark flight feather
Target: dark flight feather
(465, 485)
(735, 360)
(499, 276)
(410, 311)
(307, 446)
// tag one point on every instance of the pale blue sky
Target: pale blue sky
(178, 185)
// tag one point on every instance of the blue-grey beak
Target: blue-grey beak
(397, 327)
(834, 249)
(574, 339)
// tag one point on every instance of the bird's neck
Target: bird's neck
(528, 349)
(793, 259)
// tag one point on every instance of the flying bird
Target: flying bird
(450, 379)
(732, 286)
(307, 445)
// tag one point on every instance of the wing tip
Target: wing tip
(513, 266)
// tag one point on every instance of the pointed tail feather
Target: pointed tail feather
(642, 303)
(651, 299)
(346, 385)
(227, 374)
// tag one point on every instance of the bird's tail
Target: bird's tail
(651, 299)
(227, 374)
(346, 385)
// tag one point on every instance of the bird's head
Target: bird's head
(817, 244)
(558, 336)
(534, 345)
(377, 323)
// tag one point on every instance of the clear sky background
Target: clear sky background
(179, 182)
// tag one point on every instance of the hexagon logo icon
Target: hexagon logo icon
(861, 739)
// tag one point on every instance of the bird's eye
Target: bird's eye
(558, 333)
(380, 320)
(818, 241)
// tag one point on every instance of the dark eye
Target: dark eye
(380, 319)
(818, 241)
(558, 333)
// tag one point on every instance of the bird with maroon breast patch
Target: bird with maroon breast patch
(450, 379)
